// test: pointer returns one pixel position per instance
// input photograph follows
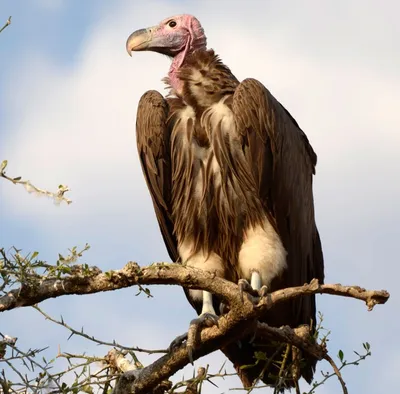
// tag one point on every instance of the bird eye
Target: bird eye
(172, 24)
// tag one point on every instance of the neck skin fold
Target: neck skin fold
(178, 60)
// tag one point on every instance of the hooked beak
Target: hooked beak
(140, 40)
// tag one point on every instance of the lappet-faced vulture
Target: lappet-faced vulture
(230, 174)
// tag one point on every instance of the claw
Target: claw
(264, 291)
(177, 342)
(190, 350)
(244, 286)
(205, 320)
(253, 338)
(223, 308)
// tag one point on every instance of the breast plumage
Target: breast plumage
(230, 174)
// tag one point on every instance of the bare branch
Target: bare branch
(171, 274)
(57, 196)
(96, 340)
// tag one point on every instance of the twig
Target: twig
(58, 196)
(93, 339)
(8, 23)
(337, 373)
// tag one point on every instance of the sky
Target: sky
(68, 99)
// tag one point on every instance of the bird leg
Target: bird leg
(244, 286)
(207, 318)
(255, 287)
(256, 284)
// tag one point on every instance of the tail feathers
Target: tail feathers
(274, 364)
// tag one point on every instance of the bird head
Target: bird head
(179, 34)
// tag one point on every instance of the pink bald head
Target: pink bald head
(177, 35)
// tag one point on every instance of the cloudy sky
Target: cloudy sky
(68, 100)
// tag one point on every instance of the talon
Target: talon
(223, 308)
(177, 342)
(190, 353)
(244, 286)
(253, 338)
(205, 320)
(264, 291)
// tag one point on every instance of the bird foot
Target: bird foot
(223, 308)
(263, 292)
(244, 286)
(177, 342)
(195, 327)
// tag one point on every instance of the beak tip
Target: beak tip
(128, 48)
(139, 40)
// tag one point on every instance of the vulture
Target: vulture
(230, 175)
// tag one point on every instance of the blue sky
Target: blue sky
(68, 100)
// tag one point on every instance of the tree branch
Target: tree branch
(35, 290)
(241, 320)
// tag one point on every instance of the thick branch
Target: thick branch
(231, 327)
(35, 291)
(238, 322)
(371, 297)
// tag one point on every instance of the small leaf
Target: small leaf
(3, 165)
(260, 356)
(340, 355)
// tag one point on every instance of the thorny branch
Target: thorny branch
(57, 196)
(239, 321)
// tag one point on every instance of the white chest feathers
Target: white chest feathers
(200, 170)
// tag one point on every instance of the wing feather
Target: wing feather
(282, 163)
(153, 141)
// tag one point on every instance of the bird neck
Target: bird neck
(191, 46)
(173, 74)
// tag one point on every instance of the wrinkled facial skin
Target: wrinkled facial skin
(170, 37)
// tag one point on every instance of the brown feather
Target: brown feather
(283, 168)
(265, 170)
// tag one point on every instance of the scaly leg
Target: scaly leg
(256, 284)
(255, 287)
(207, 318)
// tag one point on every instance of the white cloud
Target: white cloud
(331, 66)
